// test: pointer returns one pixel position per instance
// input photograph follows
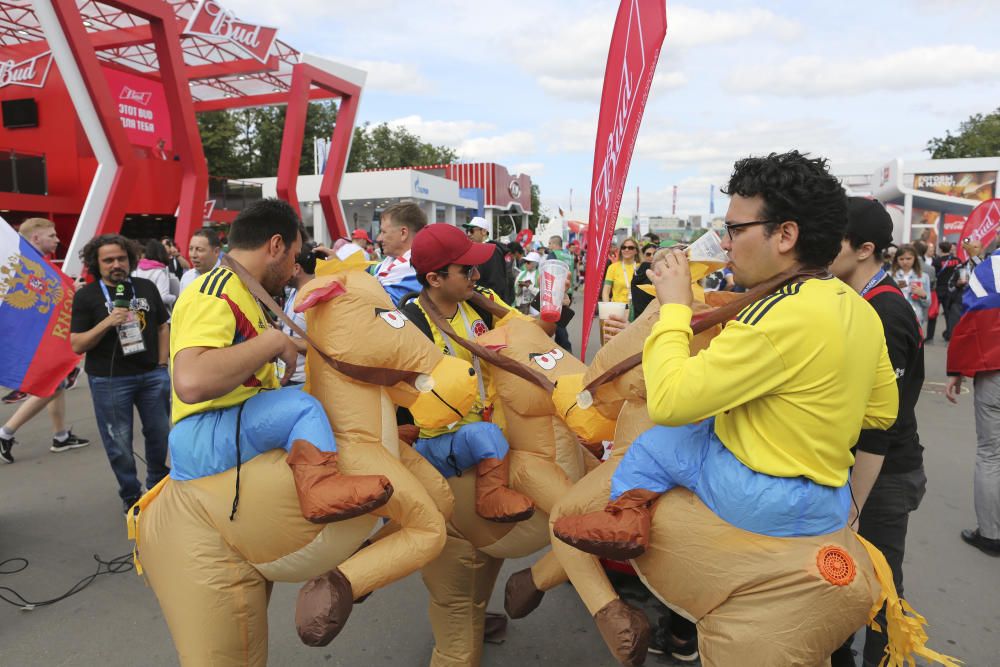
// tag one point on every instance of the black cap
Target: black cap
(868, 221)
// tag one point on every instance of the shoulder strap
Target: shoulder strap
(882, 289)
(480, 351)
(381, 376)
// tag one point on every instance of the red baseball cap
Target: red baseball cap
(439, 245)
(360, 234)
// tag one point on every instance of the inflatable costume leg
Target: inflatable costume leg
(658, 460)
(460, 582)
(624, 629)
(214, 602)
(480, 444)
(325, 602)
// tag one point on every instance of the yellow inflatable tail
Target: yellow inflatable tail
(132, 519)
(906, 634)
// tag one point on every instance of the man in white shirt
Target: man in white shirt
(400, 223)
(305, 269)
(204, 250)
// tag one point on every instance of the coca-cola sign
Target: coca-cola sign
(211, 19)
(30, 73)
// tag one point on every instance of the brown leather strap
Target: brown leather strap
(370, 375)
(707, 319)
(484, 353)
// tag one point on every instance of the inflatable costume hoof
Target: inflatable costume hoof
(625, 630)
(521, 596)
(322, 608)
(618, 532)
(408, 433)
(325, 495)
(495, 501)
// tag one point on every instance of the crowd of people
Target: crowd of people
(187, 344)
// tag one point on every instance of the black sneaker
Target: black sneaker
(72, 378)
(14, 397)
(662, 641)
(984, 544)
(71, 442)
(6, 444)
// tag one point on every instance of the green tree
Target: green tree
(383, 147)
(979, 136)
(219, 134)
(536, 218)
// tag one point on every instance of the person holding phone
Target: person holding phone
(913, 282)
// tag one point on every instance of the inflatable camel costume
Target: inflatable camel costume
(212, 574)
(545, 460)
(756, 599)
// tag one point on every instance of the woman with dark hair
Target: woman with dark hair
(153, 267)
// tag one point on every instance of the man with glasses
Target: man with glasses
(445, 261)
(760, 424)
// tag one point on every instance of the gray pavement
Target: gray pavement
(58, 510)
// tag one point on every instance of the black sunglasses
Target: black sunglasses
(629, 247)
(730, 226)
(465, 270)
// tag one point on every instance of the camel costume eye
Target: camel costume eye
(393, 318)
(546, 361)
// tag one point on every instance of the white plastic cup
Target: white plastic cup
(553, 288)
(608, 309)
(708, 249)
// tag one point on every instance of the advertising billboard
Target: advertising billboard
(974, 185)
(142, 108)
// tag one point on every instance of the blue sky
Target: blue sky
(519, 82)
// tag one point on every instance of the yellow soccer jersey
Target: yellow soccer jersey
(217, 310)
(620, 276)
(792, 380)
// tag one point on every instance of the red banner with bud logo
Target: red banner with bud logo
(981, 225)
(635, 47)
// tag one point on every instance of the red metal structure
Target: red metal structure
(196, 56)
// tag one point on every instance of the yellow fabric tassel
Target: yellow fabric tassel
(906, 634)
(132, 519)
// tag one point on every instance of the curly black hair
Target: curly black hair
(90, 251)
(801, 189)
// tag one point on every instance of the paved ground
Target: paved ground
(57, 511)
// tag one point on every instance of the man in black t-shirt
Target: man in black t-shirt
(946, 267)
(127, 342)
(494, 273)
(888, 478)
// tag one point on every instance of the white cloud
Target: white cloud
(920, 68)
(589, 89)
(448, 132)
(516, 143)
(533, 169)
(572, 135)
(391, 77)
(689, 27)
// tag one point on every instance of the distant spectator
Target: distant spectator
(400, 223)
(908, 272)
(946, 267)
(303, 272)
(205, 250)
(494, 273)
(153, 267)
(177, 264)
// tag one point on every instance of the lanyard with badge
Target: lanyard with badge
(487, 410)
(129, 333)
(628, 280)
(873, 282)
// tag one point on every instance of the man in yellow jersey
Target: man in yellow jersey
(445, 260)
(760, 424)
(228, 402)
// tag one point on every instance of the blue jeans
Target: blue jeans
(205, 443)
(692, 456)
(114, 398)
(452, 453)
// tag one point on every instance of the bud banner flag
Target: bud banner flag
(36, 302)
(635, 47)
(981, 225)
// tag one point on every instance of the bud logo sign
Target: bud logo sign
(30, 73)
(211, 19)
(981, 225)
(142, 108)
(639, 30)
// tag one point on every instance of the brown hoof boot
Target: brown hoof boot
(322, 608)
(619, 532)
(408, 433)
(521, 596)
(495, 501)
(325, 495)
(625, 630)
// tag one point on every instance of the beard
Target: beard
(275, 278)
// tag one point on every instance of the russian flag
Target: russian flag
(36, 305)
(975, 342)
